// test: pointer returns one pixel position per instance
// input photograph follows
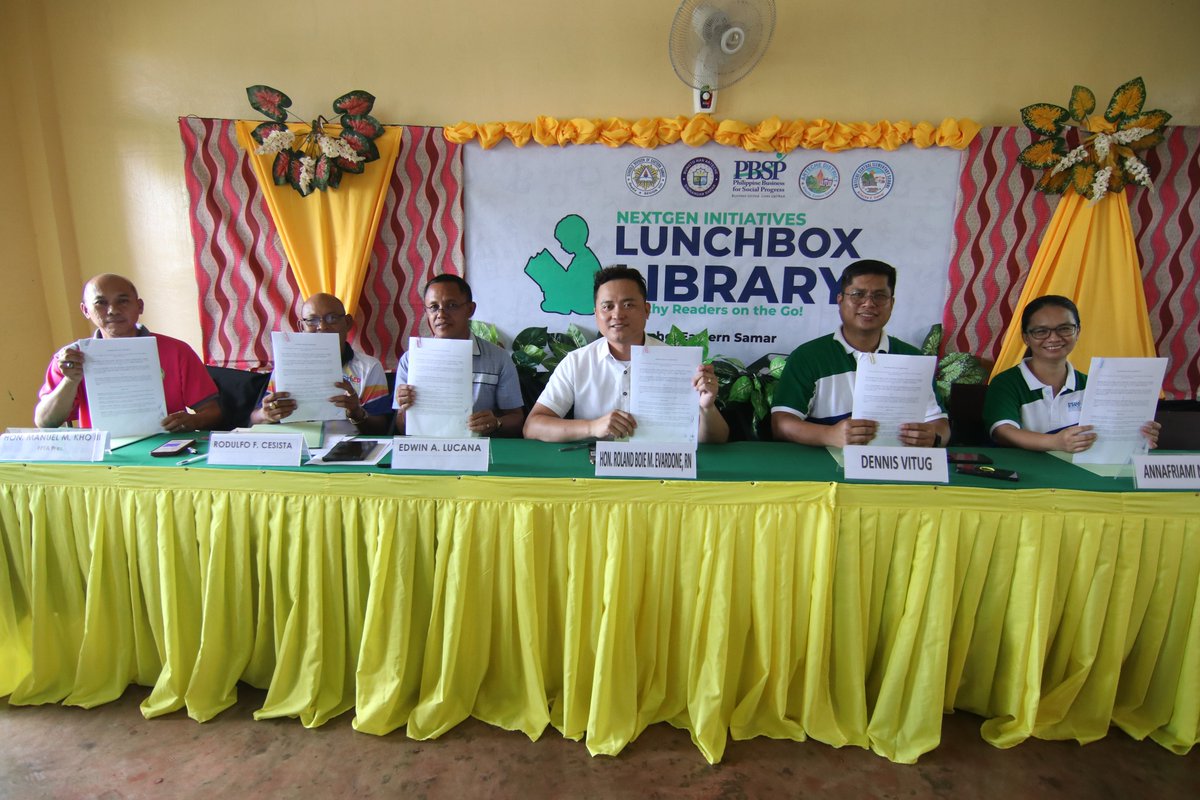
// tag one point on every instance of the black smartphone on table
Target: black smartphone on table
(349, 450)
(986, 471)
(173, 447)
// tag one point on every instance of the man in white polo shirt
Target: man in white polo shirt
(815, 394)
(594, 380)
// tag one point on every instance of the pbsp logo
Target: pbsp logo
(758, 170)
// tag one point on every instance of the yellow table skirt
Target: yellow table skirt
(851, 614)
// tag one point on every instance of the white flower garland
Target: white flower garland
(337, 148)
(1103, 143)
(306, 173)
(1138, 171)
(1100, 184)
(277, 141)
(1070, 159)
(1130, 135)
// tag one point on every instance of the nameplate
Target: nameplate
(645, 460)
(1166, 472)
(256, 449)
(54, 445)
(441, 455)
(906, 464)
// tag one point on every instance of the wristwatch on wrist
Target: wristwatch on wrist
(359, 420)
(937, 440)
(499, 423)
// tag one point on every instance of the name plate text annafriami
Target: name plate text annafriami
(1167, 472)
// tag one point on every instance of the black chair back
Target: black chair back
(239, 393)
(1180, 420)
(965, 408)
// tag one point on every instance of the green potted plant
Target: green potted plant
(536, 352)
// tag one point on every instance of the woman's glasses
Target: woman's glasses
(1063, 331)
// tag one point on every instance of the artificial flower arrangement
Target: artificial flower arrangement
(320, 159)
(1107, 160)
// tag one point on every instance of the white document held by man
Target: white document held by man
(892, 389)
(440, 370)
(664, 402)
(1121, 396)
(124, 384)
(308, 366)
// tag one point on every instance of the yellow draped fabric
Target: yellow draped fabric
(772, 135)
(1088, 254)
(327, 236)
(850, 614)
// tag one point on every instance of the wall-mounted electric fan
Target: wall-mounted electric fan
(715, 43)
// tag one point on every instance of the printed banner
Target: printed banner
(748, 246)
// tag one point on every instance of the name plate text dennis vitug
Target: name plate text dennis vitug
(908, 464)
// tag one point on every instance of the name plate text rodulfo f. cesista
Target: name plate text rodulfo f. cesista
(1167, 472)
(441, 455)
(909, 464)
(645, 460)
(256, 449)
(53, 445)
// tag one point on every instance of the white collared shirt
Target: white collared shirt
(591, 381)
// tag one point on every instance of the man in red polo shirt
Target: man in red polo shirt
(111, 303)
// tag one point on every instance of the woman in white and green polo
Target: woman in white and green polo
(1035, 405)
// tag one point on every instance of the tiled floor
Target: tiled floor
(112, 752)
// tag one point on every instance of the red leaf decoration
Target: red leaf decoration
(268, 101)
(366, 125)
(359, 129)
(261, 133)
(361, 145)
(355, 103)
(324, 171)
(282, 167)
(294, 175)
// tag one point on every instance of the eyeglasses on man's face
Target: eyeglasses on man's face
(449, 308)
(330, 319)
(858, 297)
(1063, 331)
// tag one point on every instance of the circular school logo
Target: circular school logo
(819, 180)
(873, 180)
(700, 177)
(646, 176)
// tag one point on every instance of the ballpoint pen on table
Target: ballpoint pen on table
(576, 446)
(187, 461)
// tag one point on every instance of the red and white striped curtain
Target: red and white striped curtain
(1000, 221)
(246, 287)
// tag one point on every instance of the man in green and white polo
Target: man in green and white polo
(815, 394)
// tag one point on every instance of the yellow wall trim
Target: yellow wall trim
(772, 135)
